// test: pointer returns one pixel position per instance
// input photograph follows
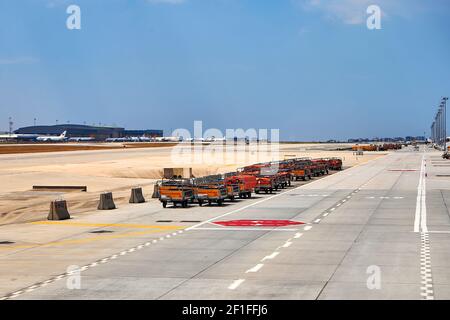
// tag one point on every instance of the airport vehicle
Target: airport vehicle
(246, 183)
(232, 189)
(334, 163)
(268, 176)
(266, 183)
(205, 191)
(62, 137)
(301, 169)
(320, 167)
(176, 191)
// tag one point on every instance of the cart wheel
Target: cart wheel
(249, 195)
(257, 191)
(209, 202)
(184, 204)
(219, 202)
(271, 190)
(289, 182)
(240, 195)
(200, 202)
(266, 191)
(164, 204)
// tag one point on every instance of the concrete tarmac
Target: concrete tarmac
(380, 230)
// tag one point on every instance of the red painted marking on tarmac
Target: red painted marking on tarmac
(258, 223)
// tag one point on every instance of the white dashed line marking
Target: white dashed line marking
(306, 228)
(287, 244)
(255, 268)
(317, 220)
(271, 256)
(298, 235)
(84, 268)
(236, 284)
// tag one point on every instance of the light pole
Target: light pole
(444, 108)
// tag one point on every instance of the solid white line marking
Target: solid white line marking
(423, 220)
(236, 284)
(421, 211)
(255, 268)
(271, 256)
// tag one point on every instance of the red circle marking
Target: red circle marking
(258, 223)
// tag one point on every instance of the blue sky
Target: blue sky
(308, 67)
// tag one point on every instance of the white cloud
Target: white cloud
(19, 60)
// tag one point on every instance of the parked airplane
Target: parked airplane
(61, 137)
(81, 139)
(18, 136)
(168, 139)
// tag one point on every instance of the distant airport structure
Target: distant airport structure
(94, 132)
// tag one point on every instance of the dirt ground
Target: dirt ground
(120, 169)
(52, 147)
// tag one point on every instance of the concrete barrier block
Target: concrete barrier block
(155, 191)
(106, 201)
(137, 196)
(58, 210)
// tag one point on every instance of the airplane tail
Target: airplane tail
(63, 135)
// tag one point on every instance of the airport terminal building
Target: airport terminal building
(97, 132)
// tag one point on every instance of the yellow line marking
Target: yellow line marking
(115, 225)
(81, 241)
